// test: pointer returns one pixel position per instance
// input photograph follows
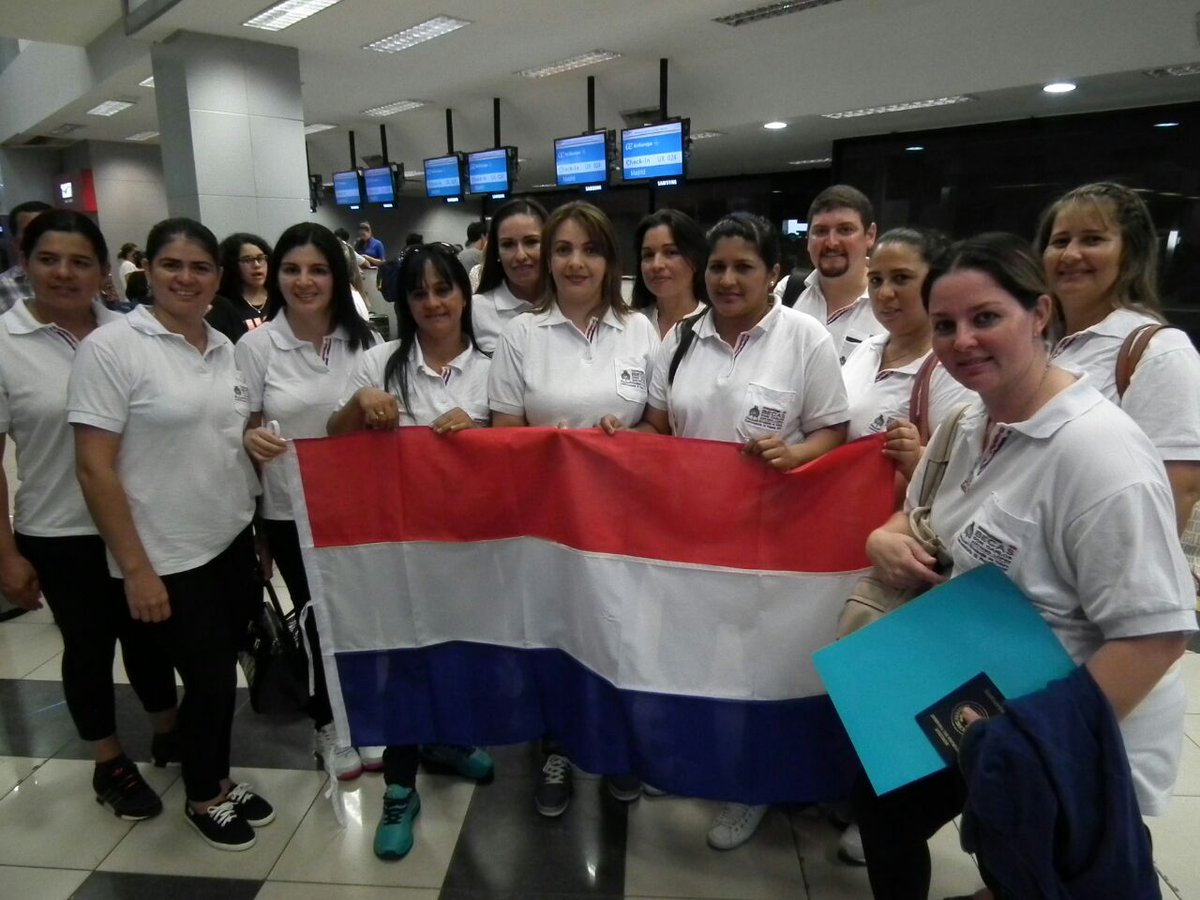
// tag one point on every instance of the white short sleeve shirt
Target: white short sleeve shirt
(290, 382)
(1164, 393)
(462, 384)
(1074, 506)
(877, 396)
(180, 415)
(491, 311)
(550, 372)
(781, 379)
(35, 365)
(849, 326)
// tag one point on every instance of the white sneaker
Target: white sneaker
(372, 758)
(850, 848)
(734, 825)
(342, 763)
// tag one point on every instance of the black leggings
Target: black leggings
(210, 606)
(284, 541)
(90, 610)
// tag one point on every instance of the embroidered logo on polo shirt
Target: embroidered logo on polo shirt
(634, 378)
(241, 393)
(986, 546)
(767, 417)
(880, 424)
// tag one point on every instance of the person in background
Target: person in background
(368, 246)
(508, 284)
(241, 302)
(432, 376)
(14, 286)
(669, 284)
(53, 546)
(126, 265)
(580, 357)
(472, 254)
(159, 408)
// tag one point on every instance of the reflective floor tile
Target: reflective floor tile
(1188, 782)
(290, 890)
(14, 769)
(667, 855)
(1191, 727)
(52, 819)
(133, 886)
(42, 884)
(1191, 677)
(1176, 837)
(324, 851)
(24, 648)
(33, 718)
(169, 845)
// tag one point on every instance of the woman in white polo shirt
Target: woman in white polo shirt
(296, 368)
(52, 545)
(434, 376)
(750, 371)
(669, 283)
(508, 284)
(159, 408)
(1100, 251)
(580, 357)
(1044, 465)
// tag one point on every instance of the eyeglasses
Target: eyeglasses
(260, 260)
(441, 245)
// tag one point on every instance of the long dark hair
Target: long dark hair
(598, 228)
(687, 236)
(231, 286)
(341, 308)
(410, 278)
(492, 274)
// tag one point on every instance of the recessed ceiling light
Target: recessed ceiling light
(915, 148)
(1166, 124)
(142, 136)
(147, 82)
(390, 109)
(898, 107)
(591, 58)
(316, 127)
(417, 34)
(1059, 87)
(109, 108)
(770, 11)
(1175, 71)
(774, 126)
(811, 162)
(540, 186)
(288, 13)
(705, 135)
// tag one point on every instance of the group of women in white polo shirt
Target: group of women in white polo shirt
(167, 420)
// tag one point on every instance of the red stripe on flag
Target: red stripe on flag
(634, 494)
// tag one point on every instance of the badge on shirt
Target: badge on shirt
(631, 379)
(945, 722)
(987, 546)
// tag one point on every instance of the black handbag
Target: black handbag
(273, 661)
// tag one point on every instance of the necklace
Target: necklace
(257, 307)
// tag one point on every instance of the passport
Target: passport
(943, 723)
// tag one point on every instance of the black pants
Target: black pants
(284, 541)
(209, 609)
(400, 765)
(90, 610)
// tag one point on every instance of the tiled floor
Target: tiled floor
(472, 842)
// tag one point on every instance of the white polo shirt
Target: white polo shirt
(1075, 507)
(1164, 393)
(781, 379)
(491, 311)
(463, 384)
(877, 396)
(180, 415)
(35, 365)
(849, 326)
(651, 313)
(550, 372)
(291, 383)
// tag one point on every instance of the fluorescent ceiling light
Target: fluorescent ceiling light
(574, 62)
(770, 11)
(774, 126)
(390, 109)
(414, 175)
(418, 34)
(147, 82)
(1059, 87)
(811, 162)
(142, 136)
(1166, 124)
(705, 135)
(317, 126)
(109, 108)
(537, 186)
(288, 13)
(897, 107)
(1175, 71)
(65, 128)
(915, 148)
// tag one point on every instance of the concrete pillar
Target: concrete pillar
(232, 133)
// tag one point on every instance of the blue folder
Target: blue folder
(879, 678)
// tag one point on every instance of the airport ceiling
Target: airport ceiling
(832, 56)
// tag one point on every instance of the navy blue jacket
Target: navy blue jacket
(1050, 810)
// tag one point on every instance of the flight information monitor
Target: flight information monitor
(443, 177)
(582, 161)
(381, 184)
(347, 189)
(490, 171)
(654, 153)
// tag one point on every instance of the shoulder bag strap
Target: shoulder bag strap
(918, 401)
(687, 334)
(1131, 354)
(937, 456)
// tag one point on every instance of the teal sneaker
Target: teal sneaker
(394, 833)
(469, 762)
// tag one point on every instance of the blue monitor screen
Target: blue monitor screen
(346, 191)
(443, 177)
(655, 151)
(581, 160)
(381, 187)
(487, 171)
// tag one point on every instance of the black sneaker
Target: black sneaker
(553, 793)
(624, 788)
(221, 826)
(251, 807)
(120, 785)
(164, 748)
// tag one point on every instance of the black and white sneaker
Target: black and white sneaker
(120, 785)
(251, 807)
(553, 793)
(221, 826)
